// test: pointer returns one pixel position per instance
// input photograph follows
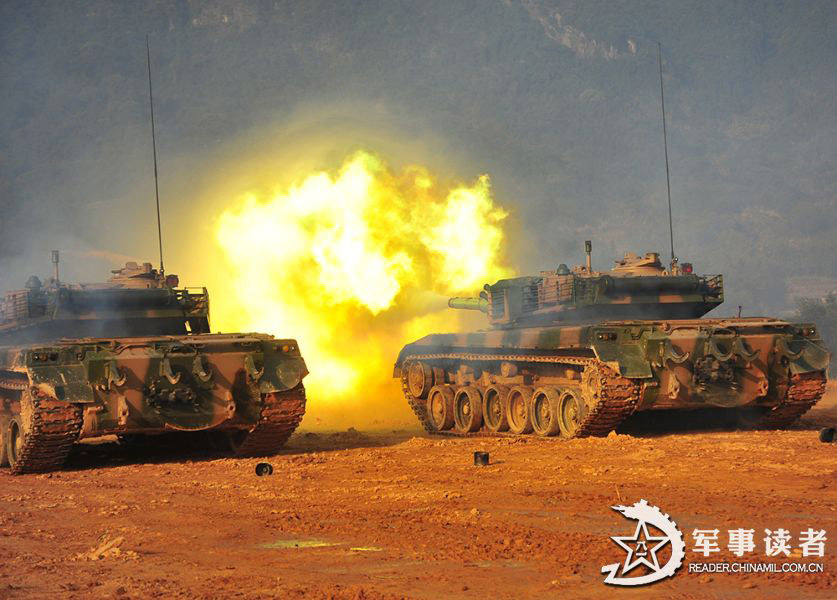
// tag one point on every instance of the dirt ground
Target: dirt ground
(398, 514)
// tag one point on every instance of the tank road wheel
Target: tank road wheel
(419, 378)
(569, 414)
(494, 408)
(517, 409)
(4, 453)
(440, 407)
(749, 417)
(467, 409)
(544, 411)
(17, 433)
(230, 441)
(15, 438)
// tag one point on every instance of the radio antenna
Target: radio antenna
(154, 149)
(665, 147)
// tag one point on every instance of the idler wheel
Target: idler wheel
(569, 414)
(419, 378)
(440, 407)
(544, 411)
(517, 409)
(494, 408)
(467, 409)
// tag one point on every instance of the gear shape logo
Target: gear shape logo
(642, 548)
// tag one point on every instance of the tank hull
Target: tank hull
(585, 379)
(244, 389)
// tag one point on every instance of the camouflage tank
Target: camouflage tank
(576, 352)
(134, 357)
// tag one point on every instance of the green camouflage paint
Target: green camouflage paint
(134, 356)
(640, 324)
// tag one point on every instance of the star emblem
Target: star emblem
(639, 547)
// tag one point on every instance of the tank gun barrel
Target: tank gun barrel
(480, 304)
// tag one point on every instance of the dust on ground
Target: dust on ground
(398, 514)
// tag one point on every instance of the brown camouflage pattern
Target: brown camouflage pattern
(768, 370)
(246, 388)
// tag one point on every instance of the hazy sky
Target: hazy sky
(557, 101)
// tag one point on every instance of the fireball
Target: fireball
(354, 264)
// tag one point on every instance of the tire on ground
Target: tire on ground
(544, 411)
(467, 409)
(440, 407)
(419, 378)
(570, 409)
(4, 453)
(518, 402)
(494, 408)
(14, 440)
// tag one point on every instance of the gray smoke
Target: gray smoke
(562, 111)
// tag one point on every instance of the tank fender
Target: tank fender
(65, 382)
(630, 358)
(429, 344)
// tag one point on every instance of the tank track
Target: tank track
(804, 391)
(280, 415)
(54, 428)
(417, 405)
(617, 396)
(14, 382)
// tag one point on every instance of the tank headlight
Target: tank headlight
(289, 373)
(606, 336)
(807, 331)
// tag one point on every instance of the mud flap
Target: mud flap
(629, 358)
(64, 381)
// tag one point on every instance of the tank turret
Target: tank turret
(136, 300)
(636, 287)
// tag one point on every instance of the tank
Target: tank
(134, 357)
(575, 352)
